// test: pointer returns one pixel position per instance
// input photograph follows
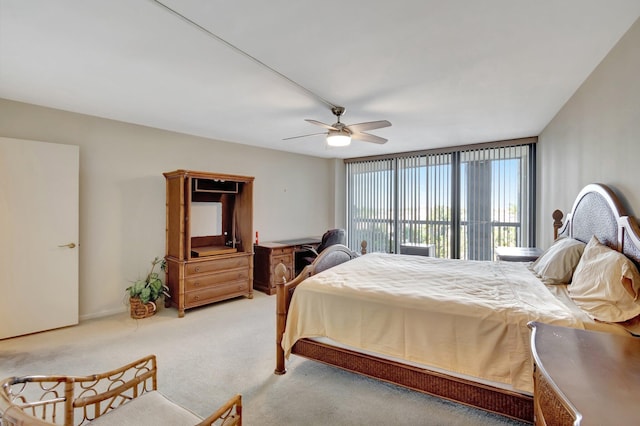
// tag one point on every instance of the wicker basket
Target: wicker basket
(141, 310)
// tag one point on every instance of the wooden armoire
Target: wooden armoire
(209, 246)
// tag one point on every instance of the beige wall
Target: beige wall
(594, 138)
(122, 191)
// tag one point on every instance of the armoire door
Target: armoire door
(39, 194)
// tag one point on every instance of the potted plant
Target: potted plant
(144, 293)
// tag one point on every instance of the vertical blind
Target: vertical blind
(464, 202)
(424, 207)
(371, 212)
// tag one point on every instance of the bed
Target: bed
(458, 329)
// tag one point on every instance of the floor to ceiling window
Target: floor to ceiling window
(464, 201)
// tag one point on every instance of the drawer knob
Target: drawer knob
(196, 298)
(196, 284)
(197, 269)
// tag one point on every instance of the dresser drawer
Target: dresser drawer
(281, 251)
(203, 281)
(215, 293)
(213, 265)
(286, 259)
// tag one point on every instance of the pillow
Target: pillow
(557, 263)
(605, 284)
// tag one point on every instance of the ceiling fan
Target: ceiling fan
(340, 134)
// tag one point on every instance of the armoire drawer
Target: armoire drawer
(216, 292)
(213, 265)
(208, 280)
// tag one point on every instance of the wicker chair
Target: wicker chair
(124, 396)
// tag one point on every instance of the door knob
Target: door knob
(70, 245)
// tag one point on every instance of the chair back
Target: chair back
(332, 237)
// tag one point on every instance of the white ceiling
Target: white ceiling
(443, 72)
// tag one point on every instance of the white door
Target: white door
(38, 236)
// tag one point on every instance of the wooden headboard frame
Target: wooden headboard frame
(598, 211)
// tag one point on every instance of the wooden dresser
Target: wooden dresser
(271, 254)
(209, 249)
(584, 377)
(267, 257)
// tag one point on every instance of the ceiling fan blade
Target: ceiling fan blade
(370, 125)
(304, 136)
(318, 123)
(366, 137)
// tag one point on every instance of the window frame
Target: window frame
(456, 155)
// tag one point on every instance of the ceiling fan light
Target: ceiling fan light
(338, 138)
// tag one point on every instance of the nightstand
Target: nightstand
(418, 249)
(584, 377)
(518, 254)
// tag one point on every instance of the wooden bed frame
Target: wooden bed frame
(596, 211)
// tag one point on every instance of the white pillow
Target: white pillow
(557, 263)
(605, 284)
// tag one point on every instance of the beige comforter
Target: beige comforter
(466, 317)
